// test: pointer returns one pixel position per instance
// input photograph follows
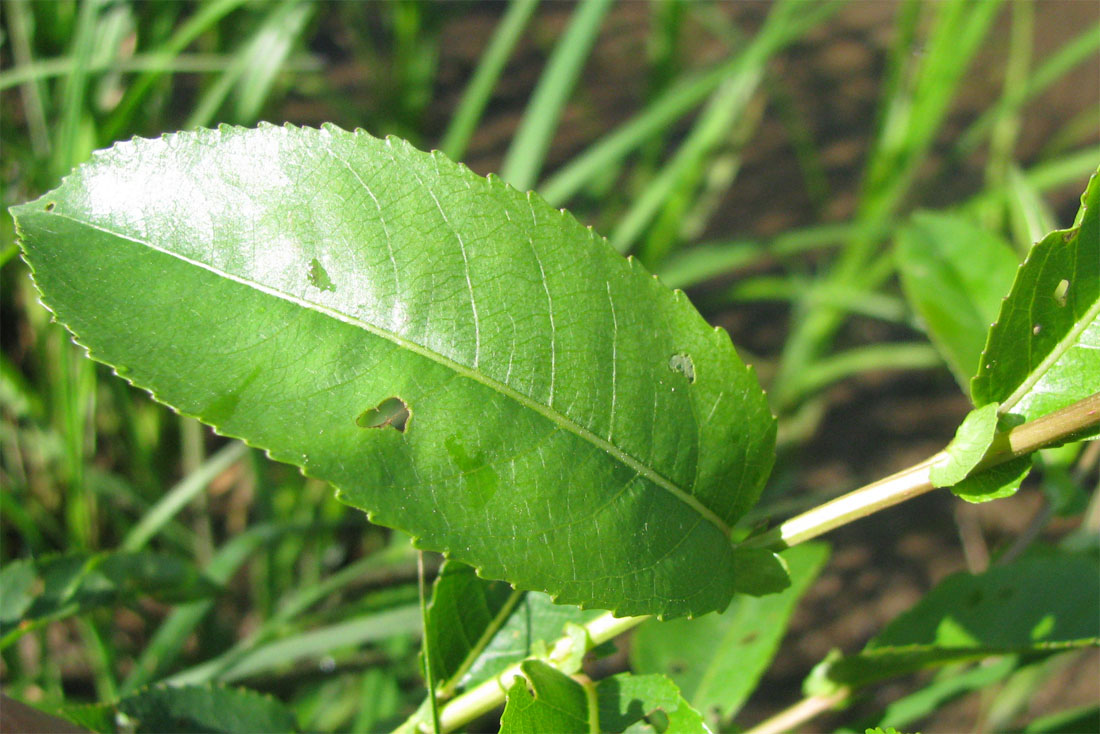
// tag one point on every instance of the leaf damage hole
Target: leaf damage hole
(682, 363)
(1060, 292)
(318, 277)
(390, 413)
(50, 205)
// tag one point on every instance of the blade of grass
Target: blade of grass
(290, 607)
(786, 21)
(204, 18)
(67, 151)
(702, 262)
(167, 642)
(181, 494)
(1067, 169)
(896, 356)
(476, 97)
(873, 304)
(527, 152)
(116, 491)
(274, 43)
(1066, 57)
(1029, 215)
(404, 620)
(19, 26)
(426, 656)
(1006, 129)
(198, 63)
(100, 657)
(264, 51)
(914, 114)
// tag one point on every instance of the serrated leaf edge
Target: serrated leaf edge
(717, 333)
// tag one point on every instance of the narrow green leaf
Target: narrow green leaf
(489, 67)
(1083, 718)
(550, 438)
(311, 644)
(1044, 351)
(201, 710)
(557, 703)
(718, 659)
(526, 154)
(946, 687)
(464, 614)
(1022, 607)
(972, 440)
(954, 274)
(38, 590)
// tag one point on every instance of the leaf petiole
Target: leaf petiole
(916, 480)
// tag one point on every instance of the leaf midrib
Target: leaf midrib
(1064, 345)
(555, 417)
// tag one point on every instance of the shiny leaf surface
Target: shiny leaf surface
(461, 360)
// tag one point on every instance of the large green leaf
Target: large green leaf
(1037, 605)
(955, 274)
(547, 700)
(1044, 351)
(54, 587)
(461, 360)
(718, 659)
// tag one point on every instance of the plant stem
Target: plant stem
(1021, 440)
(915, 480)
(490, 694)
(798, 714)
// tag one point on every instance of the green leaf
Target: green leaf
(1083, 719)
(627, 701)
(954, 274)
(54, 587)
(464, 614)
(198, 709)
(531, 629)
(972, 440)
(557, 703)
(760, 571)
(1039, 604)
(1044, 351)
(718, 659)
(995, 482)
(948, 685)
(554, 437)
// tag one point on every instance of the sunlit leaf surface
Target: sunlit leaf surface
(461, 360)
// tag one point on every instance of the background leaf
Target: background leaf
(718, 659)
(197, 709)
(1021, 607)
(54, 587)
(1044, 351)
(551, 438)
(954, 274)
